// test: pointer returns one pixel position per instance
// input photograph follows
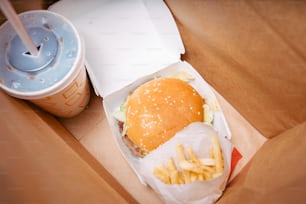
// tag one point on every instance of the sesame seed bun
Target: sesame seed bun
(158, 109)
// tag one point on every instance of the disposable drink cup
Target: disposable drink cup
(56, 78)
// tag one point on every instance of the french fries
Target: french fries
(192, 168)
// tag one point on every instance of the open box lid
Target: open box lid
(124, 39)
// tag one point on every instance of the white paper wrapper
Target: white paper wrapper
(198, 136)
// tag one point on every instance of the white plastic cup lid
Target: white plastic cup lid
(60, 55)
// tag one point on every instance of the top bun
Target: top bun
(158, 109)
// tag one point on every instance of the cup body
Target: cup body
(69, 102)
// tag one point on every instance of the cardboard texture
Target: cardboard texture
(253, 55)
(276, 174)
(38, 165)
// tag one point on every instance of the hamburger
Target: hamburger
(156, 111)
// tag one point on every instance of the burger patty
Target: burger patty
(136, 151)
